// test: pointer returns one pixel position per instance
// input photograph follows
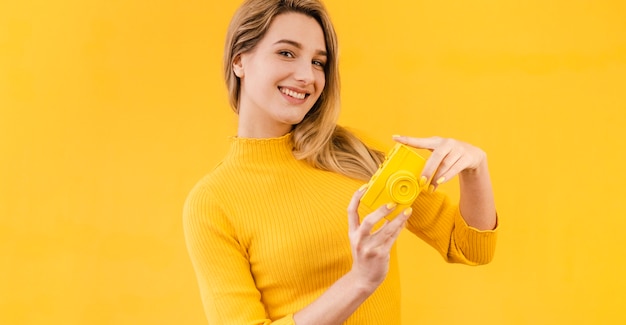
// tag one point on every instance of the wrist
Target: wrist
(361, 287)
(477, 170)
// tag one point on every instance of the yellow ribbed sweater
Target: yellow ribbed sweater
(268, 234)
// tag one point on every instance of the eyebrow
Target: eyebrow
(298, 45)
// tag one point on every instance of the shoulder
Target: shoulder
(205, 189)
(207, 214)
(218, 188)
(214, 180)
(203, 196)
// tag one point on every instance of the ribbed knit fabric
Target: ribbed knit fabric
(268, 234)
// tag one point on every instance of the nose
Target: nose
(304, 72)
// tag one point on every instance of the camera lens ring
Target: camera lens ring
(402, 187)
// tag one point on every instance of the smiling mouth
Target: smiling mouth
(293, 94)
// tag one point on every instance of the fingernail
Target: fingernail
(362, 188)
(431, 188)
(395, 136)
(423, 181)
(441, 180)
(407, 212)
(391, 205)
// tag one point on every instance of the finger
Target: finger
(368, 223)
(453, 170)
(394, 236)
(434, 162)
(440, 148)
(421, 143)
(392, 229)
(445, 170)
(353, 209)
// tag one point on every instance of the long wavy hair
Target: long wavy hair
(317, 139)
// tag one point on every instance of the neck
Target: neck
(251, 126)
(256, 131)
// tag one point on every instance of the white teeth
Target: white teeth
(292, 93)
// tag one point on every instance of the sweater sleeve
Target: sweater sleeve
(440, 224)
(227, 287)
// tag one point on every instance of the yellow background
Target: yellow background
(110, 111)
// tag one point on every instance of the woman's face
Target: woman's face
(282, 77)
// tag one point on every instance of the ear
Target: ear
(238, 66)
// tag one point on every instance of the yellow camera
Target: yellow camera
(396, 180)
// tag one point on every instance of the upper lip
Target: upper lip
(296, 89)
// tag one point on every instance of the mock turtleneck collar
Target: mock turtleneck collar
(262, 149)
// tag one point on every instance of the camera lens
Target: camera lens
(403, 187)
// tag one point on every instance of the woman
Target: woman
(266, 229)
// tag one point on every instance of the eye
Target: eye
(286, 54)
(319, 63)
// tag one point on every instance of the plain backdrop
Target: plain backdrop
(110, 111)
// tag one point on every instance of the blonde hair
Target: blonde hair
(318, 139)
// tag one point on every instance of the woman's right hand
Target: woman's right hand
(371, 250)
(370, 264)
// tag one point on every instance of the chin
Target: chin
(293, 120)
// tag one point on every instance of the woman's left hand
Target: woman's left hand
(449, 158)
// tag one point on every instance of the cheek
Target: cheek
(321, 82)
